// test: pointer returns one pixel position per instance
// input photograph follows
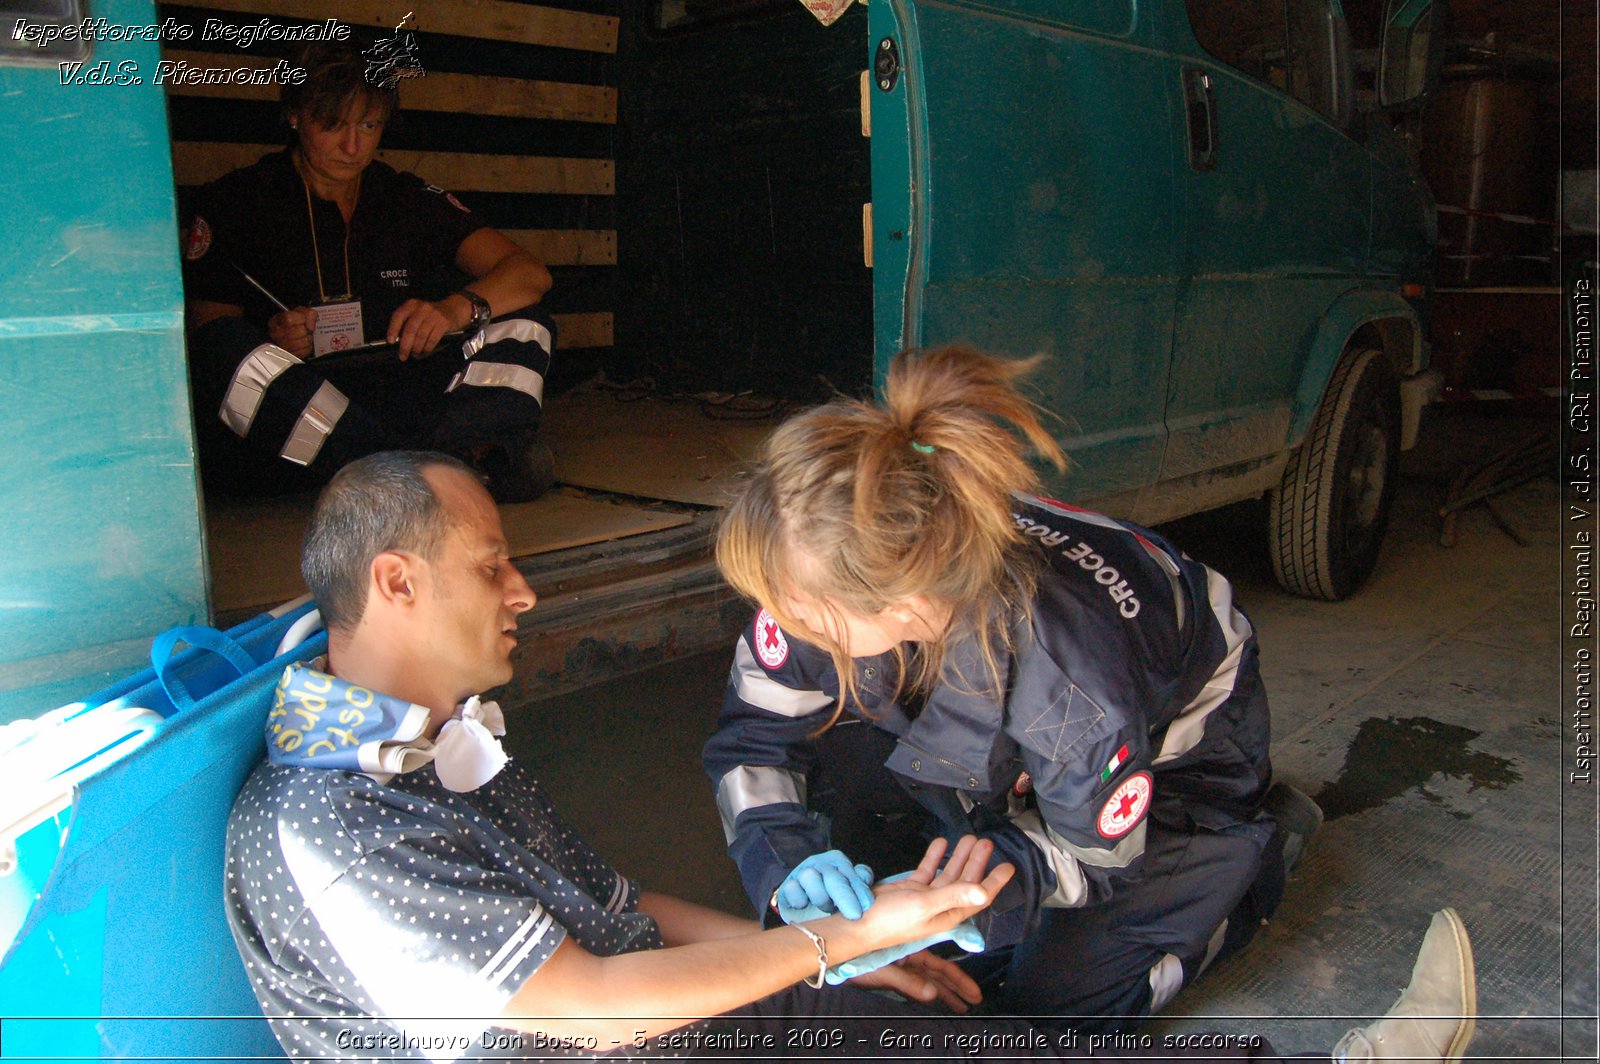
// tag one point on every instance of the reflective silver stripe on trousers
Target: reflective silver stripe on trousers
(1184, 733)
(250, 382)
(501, 375)
(750, 786)
(1166, 979)
(524, 329)
(319, 417)
(754, 687)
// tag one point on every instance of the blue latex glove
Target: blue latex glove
(825, 883)
(964, 934)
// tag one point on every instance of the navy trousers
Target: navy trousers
(1200, 895)
(271, 424)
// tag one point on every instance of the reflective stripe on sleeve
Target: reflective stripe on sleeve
(755, 688)
(1169, 569)
(1071, 888)
(1186, 731)
(250, 382)
(316, 421)
(1166, 979)
(751, 786)
(525, 330)
(501, 375)
(1121, 855)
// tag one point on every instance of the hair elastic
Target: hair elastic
(922, 448)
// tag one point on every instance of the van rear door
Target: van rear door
(1026, 199)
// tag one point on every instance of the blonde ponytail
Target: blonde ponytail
(909, 498)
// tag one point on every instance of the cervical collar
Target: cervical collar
(320, 721)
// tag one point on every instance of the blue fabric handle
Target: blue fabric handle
(201, 638)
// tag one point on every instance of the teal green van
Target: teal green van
(1180, 203)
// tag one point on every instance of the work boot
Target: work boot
(1433, 1018)
(1298, 818)
(516, 473)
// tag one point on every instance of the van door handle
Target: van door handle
(1201, 107)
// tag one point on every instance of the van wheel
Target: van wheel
(1328, 514)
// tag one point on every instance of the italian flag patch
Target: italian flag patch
(1118, 759)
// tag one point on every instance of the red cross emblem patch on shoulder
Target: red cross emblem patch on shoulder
(197, 241)
(1126, 806)
(771, 646)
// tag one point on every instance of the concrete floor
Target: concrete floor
(1425, 714)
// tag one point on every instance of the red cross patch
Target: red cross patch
(771, 646)
(1126, 806)
(197, 241)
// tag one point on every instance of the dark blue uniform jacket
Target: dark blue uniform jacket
(1133, 690)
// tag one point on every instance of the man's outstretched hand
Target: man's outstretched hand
(908, 913)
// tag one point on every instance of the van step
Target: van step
(610, 609)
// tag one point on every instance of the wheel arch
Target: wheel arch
(1358, 319)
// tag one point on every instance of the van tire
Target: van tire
(1327, 516)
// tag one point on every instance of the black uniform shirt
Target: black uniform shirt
(404, 236)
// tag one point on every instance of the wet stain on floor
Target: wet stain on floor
(1391, 756)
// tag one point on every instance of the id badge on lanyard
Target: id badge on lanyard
(338, 317)
(338, 327)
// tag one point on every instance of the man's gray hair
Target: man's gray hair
(378, 503)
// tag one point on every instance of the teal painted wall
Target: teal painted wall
(99, 508)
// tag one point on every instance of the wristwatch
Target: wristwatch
(480, 310)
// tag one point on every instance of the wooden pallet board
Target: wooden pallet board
(197, 162)
(568, 247)
(468, 93)
(255, 544)
(650, 448)
(589, 329)
(497, 20)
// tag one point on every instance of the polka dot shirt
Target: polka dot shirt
(389, 921)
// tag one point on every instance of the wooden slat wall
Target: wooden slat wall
(196, 163)
(569, 247)
(497, 20)
(504, 97)
(523, 82)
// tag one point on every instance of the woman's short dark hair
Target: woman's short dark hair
(336, 73)
(377, 503)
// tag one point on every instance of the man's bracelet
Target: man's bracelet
(822, 955)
